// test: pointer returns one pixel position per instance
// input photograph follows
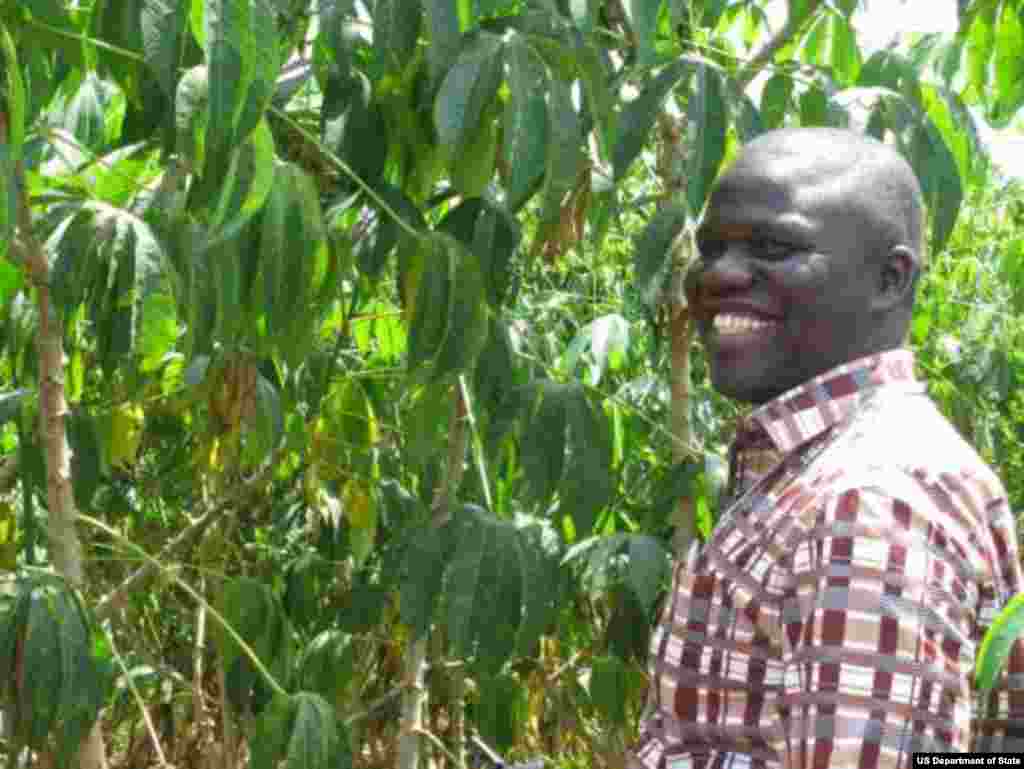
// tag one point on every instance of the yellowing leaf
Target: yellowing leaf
(361, 510)
(125, 434)
(359, 507)
(8, 540)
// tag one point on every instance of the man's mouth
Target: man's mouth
(736, 324)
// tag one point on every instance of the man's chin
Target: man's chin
(745, 389)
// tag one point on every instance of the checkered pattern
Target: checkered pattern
(833, 619)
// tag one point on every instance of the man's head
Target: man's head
(810, 250)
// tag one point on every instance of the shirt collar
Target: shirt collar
(800, 414)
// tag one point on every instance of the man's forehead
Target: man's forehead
(769, 188)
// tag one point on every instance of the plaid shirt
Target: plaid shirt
(833, 617)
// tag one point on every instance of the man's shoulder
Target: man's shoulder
(906, 449)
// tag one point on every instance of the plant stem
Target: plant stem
(413, 704)
(415, 698)
(478, 446)
(65, 547)
(198, 708)
(767, 52)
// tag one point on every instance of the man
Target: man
(833, 617)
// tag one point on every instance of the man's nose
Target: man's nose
(725, 273)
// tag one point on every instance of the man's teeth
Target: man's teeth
(726, 323)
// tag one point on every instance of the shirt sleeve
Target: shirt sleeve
(1000, 723)
(879, 629)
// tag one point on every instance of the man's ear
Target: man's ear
(896, 279)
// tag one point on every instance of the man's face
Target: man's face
(783, 288)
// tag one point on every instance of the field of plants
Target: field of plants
(349, 411)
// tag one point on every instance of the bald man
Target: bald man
(833, 617)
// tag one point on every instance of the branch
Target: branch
(116, 598)
(767, 52)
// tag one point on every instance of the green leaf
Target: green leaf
(163, 31)
(468, 90)
(10, 404)
(648, 570)
(8, 214)
(653, 250)
(491, 235)
(118, 23)
(589, 482)
(85, 113)
(484, 588)
(192, 114)
(502, 708)
(433, 300)
(564, 155)
(775, 100)
(158, 330)
(706, 112)
(845, 54)
(353, 125)
(244, 61)
(86, 463)
(540, 554)
(314, 742)
(110, 259)
(425, 564)
(525, 121)
(271, 731)
(542, 449)
(749, 124)
(268, 422)
(445, 36)
(496, 238)
(248, 182)
(638, 116)
(956, 126)
(50, 670)
(609, 688)
(254, 612)
(327, 665)
(814, 106)
(15, 98)
(458, 321)
(643, 18)
(373, 248)
(981, 49)
(473, 167)
(303, 731)
(494, 376)
(294, 259)
(937, 171)
(1008, 66)
(396, 27)
(999, 641)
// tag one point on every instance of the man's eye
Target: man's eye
(768, 248)
(710, 249)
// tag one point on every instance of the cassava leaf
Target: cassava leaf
(652, 252)
(525, 121)
(638, 116)
(706, 112)
(999, 641)
(484, 588)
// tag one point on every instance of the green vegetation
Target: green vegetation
(348, 399)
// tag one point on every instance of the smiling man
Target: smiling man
(833, 616)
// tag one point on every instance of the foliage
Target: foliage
(361, 311)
